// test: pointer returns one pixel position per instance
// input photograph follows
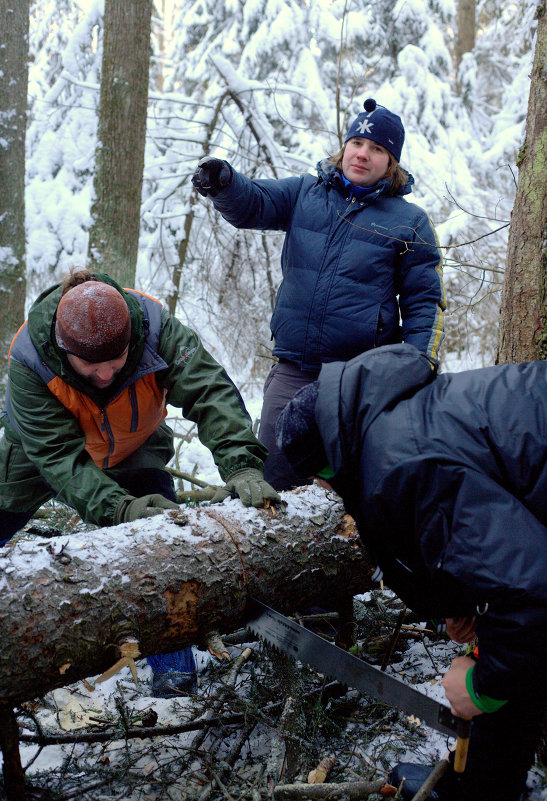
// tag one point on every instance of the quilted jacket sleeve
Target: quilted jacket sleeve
(421, 292)
(265, 204)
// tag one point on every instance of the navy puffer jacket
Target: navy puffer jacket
(447, 479)
(353, 268)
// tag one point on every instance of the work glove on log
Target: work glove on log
(130, 508)
(250, 486)
(211, 176)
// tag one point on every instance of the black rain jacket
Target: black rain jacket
(446, 477)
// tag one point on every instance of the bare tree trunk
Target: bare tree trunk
(523, 322)
(173, 298)
(466, 29)
(14, 24)
(67, 605)
(114, 234)
(229, 95)
(14, 777)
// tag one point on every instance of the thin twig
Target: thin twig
(141, 732)
(351, 790)
(436, 774)
(187, 477)
(394, 638)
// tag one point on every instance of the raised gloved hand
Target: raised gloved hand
(130, 508)
(249, 485)
(211, 176)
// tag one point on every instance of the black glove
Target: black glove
(130, 508)
(211, 176)
(250, 486)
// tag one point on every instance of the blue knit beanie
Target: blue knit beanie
(379, 124)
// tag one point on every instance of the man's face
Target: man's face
(364, 162)
(100, 374)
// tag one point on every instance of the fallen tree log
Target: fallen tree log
(70, 604)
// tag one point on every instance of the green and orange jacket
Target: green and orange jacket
(75, 435)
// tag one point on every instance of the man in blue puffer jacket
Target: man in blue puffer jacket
(361, 266)
(446, 477)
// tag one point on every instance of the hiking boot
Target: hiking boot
(173, 684)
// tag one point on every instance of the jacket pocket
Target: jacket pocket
(388, 330)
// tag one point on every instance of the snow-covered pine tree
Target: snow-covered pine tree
(64, 93)
(271, 85)
(495, 83)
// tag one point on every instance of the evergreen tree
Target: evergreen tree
(64, 93)
(271, 85)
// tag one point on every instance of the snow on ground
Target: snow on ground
(366, 738)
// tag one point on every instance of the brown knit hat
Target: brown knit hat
(93, 322)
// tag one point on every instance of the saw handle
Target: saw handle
(462, 744)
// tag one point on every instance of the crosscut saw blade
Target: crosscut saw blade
(302, 644)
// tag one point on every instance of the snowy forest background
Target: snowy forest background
(271, 85)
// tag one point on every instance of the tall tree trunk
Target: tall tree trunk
(70, 605)
(14, 25)
(114, 234)
(523, 321)
(465, 41)
(12, 770)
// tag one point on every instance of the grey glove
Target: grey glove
(130, 508)
(211, 176)
(249, 485)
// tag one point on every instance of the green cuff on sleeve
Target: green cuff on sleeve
(483, 702)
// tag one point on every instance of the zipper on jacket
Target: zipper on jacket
(134, 408)
(342, 219)
(106, 427)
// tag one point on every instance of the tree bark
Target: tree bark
(12, 770)
(465, 41)
(68, 604)
(14, 24)
(114, 234)
(523, 321)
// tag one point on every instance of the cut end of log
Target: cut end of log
(130, 649)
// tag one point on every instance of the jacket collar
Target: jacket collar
(331, 176)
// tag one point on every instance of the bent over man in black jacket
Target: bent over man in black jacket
(446, 477)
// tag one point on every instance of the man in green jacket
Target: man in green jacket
(90, 375)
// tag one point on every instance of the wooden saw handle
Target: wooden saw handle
(462, 745)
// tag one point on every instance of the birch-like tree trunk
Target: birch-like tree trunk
(14, 48)
(114, 234)
(523, 321)
(68, 604)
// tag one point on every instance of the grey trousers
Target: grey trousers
(283, 381)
